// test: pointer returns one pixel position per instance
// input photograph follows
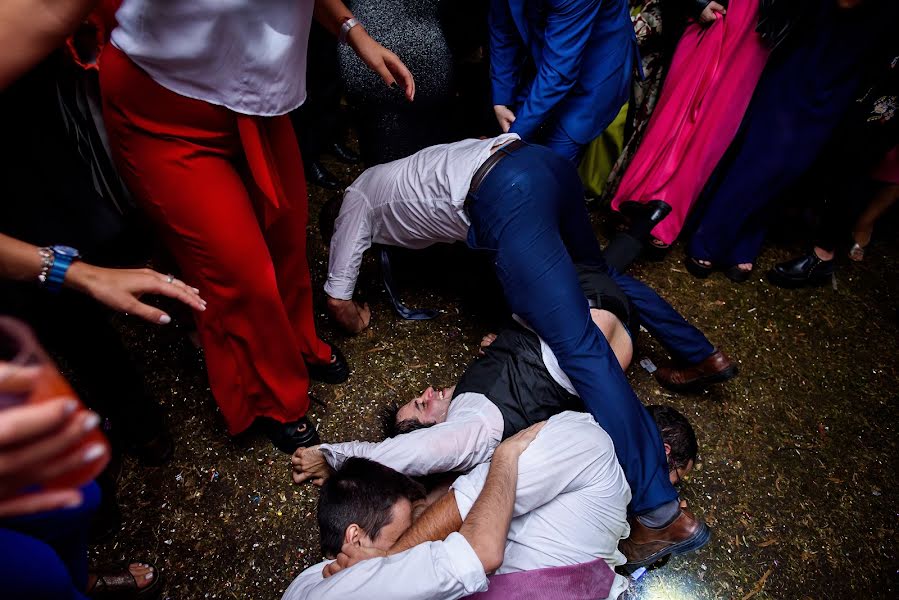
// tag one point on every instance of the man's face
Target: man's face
(400, 521)
(430, 407)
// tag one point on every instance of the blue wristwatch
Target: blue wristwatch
(63, 257)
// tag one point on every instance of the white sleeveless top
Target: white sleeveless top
(247, 55)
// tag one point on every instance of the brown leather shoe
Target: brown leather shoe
(647, 545)
(717, 368)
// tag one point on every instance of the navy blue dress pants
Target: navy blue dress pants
(530, 212)
(45, 555)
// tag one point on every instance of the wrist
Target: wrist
(79, 277)
(337, 303)
(356, 37)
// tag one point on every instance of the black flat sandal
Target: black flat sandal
(115, 582)
(336, 371)
(697, 269)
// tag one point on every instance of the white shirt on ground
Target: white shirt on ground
(412, 202)
(246, 55)
(471, 432)
(570, 508)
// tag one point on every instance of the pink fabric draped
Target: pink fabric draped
(586, 581)
(712, 76)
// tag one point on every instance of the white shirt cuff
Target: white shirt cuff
(465, 563)
(466, 493)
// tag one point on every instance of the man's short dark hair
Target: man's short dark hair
(361, 492)
(327, 216)
(393, 427)
(676, 432)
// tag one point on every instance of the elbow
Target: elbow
(492, 558)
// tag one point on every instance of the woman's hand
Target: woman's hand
(121, 289)
(381, 60)
(710, 13)
(33, 440)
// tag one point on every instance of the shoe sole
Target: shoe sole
(702, 383)
(697, 541)
(792, 284)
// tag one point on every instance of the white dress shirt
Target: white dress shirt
(444, 570)
(412, 202)
(570, 508)
(247, 55)
(471, 432)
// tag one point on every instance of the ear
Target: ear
(667, 449)
(353, 535)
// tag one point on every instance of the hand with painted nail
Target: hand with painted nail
(382, 61)
(121, 289)
(35, 440)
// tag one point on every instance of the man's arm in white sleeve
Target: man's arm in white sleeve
(443, 570)
(454, 445)
(352, 236)
(571, 452)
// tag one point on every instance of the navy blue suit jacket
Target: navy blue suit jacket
(570, 59)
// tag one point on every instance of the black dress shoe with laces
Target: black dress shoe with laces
(316, 173)
(343, 154)
(802, 271)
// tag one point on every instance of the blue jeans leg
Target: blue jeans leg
(519, 212)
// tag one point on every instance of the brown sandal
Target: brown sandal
(115, 582)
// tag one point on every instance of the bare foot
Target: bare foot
(745, 267)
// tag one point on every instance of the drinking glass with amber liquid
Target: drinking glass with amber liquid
(20, 348)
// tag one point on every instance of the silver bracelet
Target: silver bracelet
(345, 29)
(47, 259)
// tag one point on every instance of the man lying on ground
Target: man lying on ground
(569, 508)
(516, 383)
(504, 391)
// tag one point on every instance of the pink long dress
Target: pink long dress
(713, 73)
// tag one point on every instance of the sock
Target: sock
(661, 516)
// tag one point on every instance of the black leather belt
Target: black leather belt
(478, 178)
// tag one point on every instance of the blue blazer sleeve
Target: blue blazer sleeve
(507, 53)
(569, 27)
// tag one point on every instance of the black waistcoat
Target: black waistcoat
(513, 376)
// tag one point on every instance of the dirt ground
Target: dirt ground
(795, 476)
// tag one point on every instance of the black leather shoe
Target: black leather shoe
(343, 154)
(336, 371)
(287, 437)
(802, 271)
(648, 212)
(316, 173)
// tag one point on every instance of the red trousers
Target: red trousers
(228, 194)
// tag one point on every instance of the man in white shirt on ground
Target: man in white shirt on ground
(570, 507)
(515, 383)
